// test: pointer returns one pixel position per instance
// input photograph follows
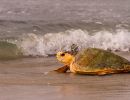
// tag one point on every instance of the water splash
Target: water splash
(50, 43)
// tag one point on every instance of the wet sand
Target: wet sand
(31, 79)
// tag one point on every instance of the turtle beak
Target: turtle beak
(58, 56)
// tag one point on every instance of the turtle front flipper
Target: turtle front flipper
(62, 69)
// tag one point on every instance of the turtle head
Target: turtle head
(65, 57)
(68, 56)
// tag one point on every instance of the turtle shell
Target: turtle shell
(98, 61)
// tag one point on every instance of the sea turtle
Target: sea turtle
(92, 61)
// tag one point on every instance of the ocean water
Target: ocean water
(44, 27)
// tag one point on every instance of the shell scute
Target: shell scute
(98, 60)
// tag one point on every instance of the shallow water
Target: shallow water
(33, 78)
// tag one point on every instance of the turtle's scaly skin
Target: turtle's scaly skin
(98, 61)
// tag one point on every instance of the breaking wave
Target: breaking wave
(43, 45)
(50, 43)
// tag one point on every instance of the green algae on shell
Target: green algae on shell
(93, 60)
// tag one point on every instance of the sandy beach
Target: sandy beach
(33, 78)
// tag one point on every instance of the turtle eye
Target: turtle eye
(62, 54)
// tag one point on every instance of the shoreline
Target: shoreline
(32, 78)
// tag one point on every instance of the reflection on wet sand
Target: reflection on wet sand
(33, 78)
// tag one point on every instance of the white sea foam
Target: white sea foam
(51, 43)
